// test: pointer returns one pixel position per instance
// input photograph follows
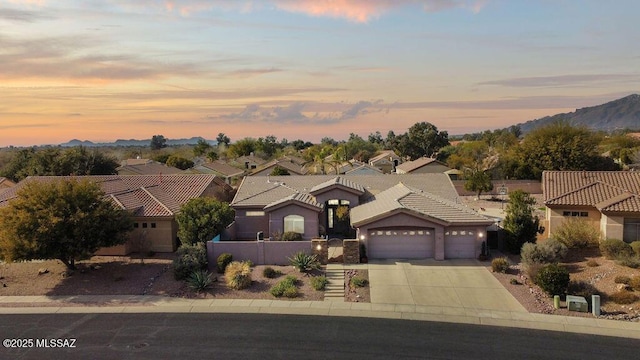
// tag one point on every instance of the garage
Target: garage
(401, 244)
(459, 244)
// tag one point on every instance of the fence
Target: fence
(259, 252)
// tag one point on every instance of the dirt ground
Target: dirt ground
(356, 294)
(600, 277)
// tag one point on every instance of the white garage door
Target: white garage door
(400, 244)
(459, 244)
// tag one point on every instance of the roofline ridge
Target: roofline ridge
(156, 199)
(575, 190)
(117, 201)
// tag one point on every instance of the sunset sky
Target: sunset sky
(115, 69)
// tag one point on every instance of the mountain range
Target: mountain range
(618, 114)
(134, 142)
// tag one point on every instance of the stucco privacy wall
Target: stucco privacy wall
(259, 252)
(276, 220)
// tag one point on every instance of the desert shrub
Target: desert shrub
(578, 233)
(286, 287)
(547, 252)
(358, 281)
(249, 262)
(592, 263)
(291, 236)
(553, 279)
(622, 279)
(500, 265)
(634, 282)
(615, 249)
(319, 282)
(514, 282)
(200, 280)
(238, 275)
(532, 269)
(270, 272)
(623, 297)
(636, 247)
(189, 258)
(304, 262)
(223, 260)
(629, 261)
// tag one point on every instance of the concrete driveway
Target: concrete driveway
(463, 284)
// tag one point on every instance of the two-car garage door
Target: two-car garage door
(401, 244)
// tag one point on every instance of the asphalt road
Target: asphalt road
(259, 336)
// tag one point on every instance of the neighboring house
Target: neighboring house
(248, 162)
(220, 168)
(386, 161)
(148, 168)
(423, 165)
(292, 167)
(363, 169)
(153, 202)
(609, 200)
(5, 183)
(403, 216)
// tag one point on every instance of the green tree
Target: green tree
(478, 181)
(201, 147)
(520, 225)
(422, 139)
(179, 162)
(279, 171)
(559, 146)
(201, 219)
(242, 147)
(158, 142)
(212, 155)
(223, 139)
(66, 220)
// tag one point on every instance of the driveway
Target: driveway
(464, 284)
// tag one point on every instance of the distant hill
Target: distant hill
(623, 113)
(134, 142)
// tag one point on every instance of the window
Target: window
(631, 230)
(584, 214)
(153, 225)
(254, 213)
(344, 202)
(333, 202)
(136, 225)
(294, 223)
(576, 213)
(144, 225)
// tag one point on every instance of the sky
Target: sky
(304, 69)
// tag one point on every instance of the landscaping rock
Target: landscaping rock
(43, 271)
(623, 287)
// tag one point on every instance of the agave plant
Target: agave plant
(304, 262)
(199, 281)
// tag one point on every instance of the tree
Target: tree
(179, 162)
(67, 220)
(242, 147)
(158, 142)
(212, 155)
(201, 219)
(559, 146)
(422, 139)
(479, 181)
(279, 170)
(520, 225)
(201, 147)
(223, 139)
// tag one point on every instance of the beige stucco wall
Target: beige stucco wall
(160, 239)
(612, 227)
(554, 218)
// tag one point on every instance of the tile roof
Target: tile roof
(410, 166)
(612, 191)
(6, 182)
(384, 154)
(287, 164)
(363, 169)
(149, 168)
(259, 191)
(402, 197)
(341, 181)
(303, 199)
(144, 195)
(223, 168)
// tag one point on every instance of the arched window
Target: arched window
(294, 223)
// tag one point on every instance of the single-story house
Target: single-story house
(153, 202)
(423, 165)
(363, 169)
(288, 164)
(386, 161)
(609, 200)
(402, 216)
(148, 167)
(220, 168)
(248, 162)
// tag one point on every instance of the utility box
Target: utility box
(577, 303)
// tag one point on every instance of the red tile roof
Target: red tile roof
(613, 191)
